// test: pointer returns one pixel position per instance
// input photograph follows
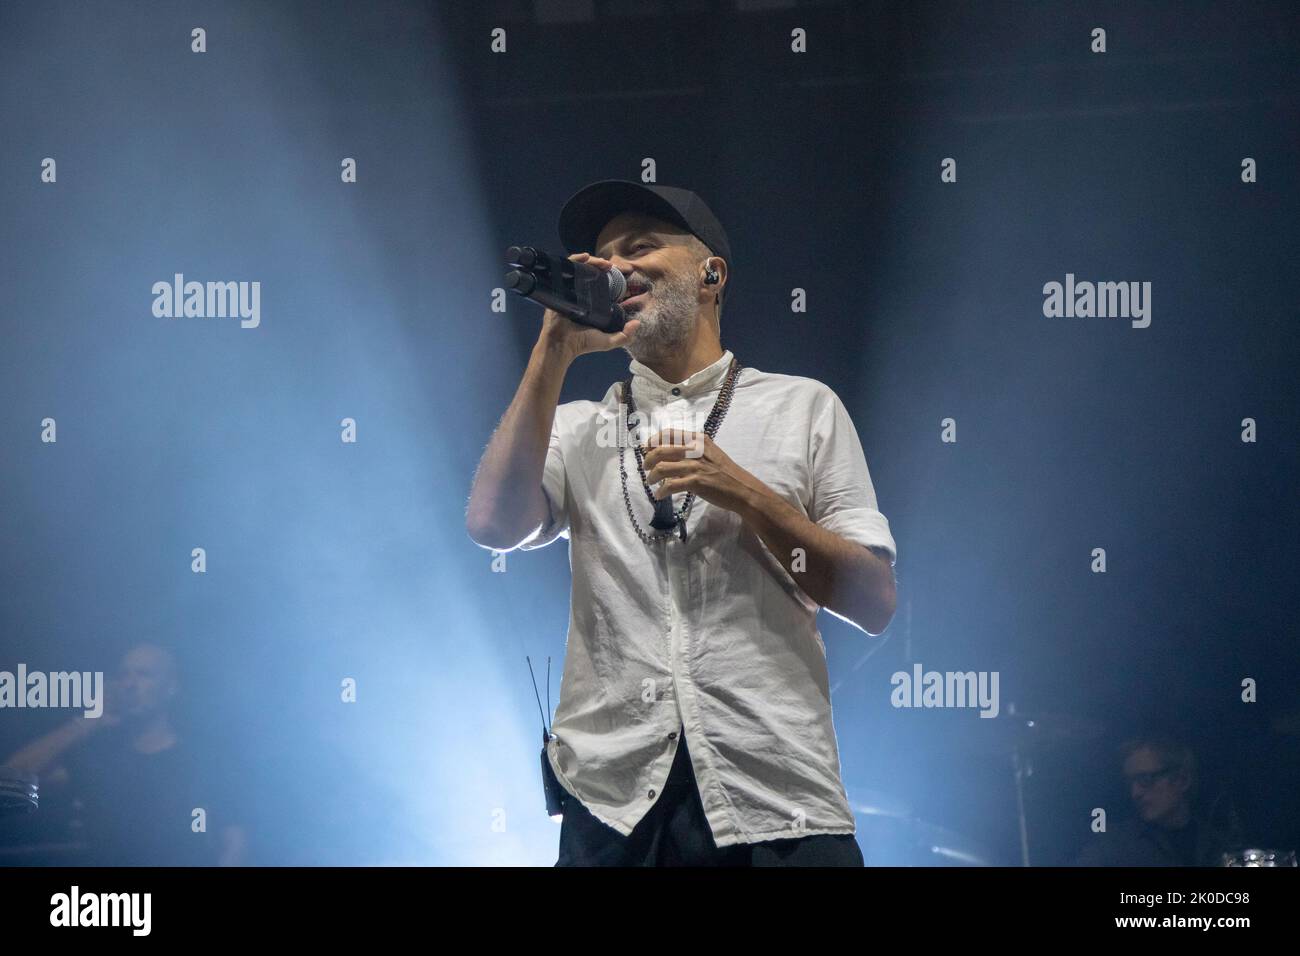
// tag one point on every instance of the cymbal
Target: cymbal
(891, 834)
(889, 837)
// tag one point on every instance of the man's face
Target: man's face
(1158, 791)
(146, 682)
(653, 255)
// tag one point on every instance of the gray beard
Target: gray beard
(667, 321)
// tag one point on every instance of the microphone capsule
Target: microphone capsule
(521, 282)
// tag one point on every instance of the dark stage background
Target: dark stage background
(329, 560)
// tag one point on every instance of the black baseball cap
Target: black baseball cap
(591, 208)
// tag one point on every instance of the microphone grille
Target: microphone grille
(617, 285)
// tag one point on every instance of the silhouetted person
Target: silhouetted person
(136, 780)
(1169, 828)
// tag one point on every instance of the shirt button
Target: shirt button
(652, 794)
(673, 735)
(677, 391)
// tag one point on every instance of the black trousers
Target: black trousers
(675, 832)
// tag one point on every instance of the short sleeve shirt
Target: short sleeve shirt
(138, 809)
(711, 634)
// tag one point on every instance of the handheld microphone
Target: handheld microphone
(584, 293)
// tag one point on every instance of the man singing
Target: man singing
(700, 556)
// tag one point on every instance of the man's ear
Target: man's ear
(719, 268)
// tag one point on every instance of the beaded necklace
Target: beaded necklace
(665, 519)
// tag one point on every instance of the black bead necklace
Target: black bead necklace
(665, 519)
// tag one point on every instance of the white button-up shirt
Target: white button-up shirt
(713, 634)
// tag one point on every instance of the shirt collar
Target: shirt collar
(707, 379)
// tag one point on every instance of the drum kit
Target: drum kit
(891, 834)
(20, 798)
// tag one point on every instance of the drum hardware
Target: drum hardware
(19, 792)
(1257, 857)
(892, 835)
